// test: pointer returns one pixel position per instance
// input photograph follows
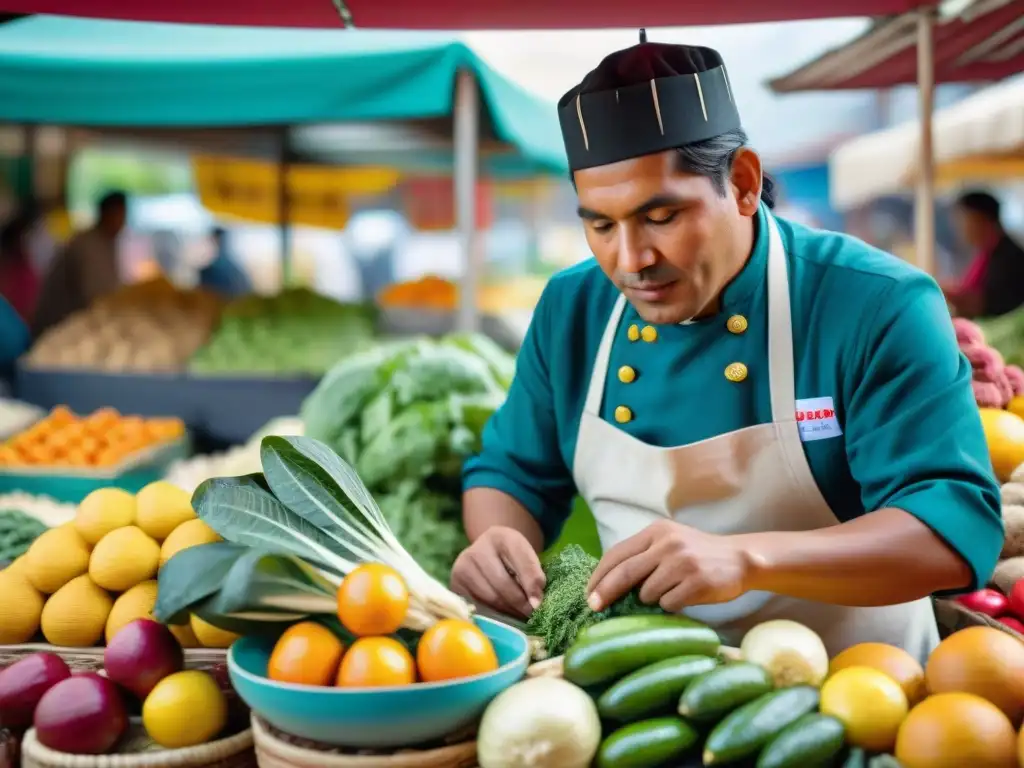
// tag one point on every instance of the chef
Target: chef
(767, 421)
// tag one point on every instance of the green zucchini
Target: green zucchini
(652, 690)
(746, 730)
(609, 657)
(629, 624)
(857, 758)
(714, 695)
(813, 741)
(649, 743)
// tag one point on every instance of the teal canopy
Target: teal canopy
(88, 73)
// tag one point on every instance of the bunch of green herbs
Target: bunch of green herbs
(564, 612)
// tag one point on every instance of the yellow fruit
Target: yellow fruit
(55, 558)
(189, 534)
(956, 730)
(869, 703)
(893, 661)
(984, 661)
(21, 605)
(210, 636)
(184, 635)
(1016, 406)
(184, 709)
(18, 566)
(1004, 434)
(162, 507)
(76, 614)
(136, 603)
(102, 511)
(124, 558)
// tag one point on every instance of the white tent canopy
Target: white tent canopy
(980, 136)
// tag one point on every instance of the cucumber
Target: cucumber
(857, 758)
(625, 624)
(714, 695)
(646, 744)
(813, 741)
(746, 730)
(609, 657)
(652, 690)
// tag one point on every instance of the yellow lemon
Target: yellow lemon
(55, 558)
(21, 606)
(124, 558)
(162, 507)
(189, 534)
(869, 703)
(210, 636)
(184, 709)
(76, 614)
(136, 603)
(102, 511)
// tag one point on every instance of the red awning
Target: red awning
(983, 44)
(463, 14)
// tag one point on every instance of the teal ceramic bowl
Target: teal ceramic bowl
(375, 718)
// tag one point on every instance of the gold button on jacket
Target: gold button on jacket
(627, 374)
(736, 372)
(736, 324)
(633, 333)
(649, 333)
(623, 414)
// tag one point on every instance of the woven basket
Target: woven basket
(952, 617)
(91, 659)
(275, 749)
(137, 751)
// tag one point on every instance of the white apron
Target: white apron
(751, 480)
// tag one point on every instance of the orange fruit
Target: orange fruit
(956, 730)
(984, 661)
(451, 649)
(306, 654)
(893, 661)
(372, 600)
(374, 662)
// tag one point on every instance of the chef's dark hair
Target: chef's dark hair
(981, 203)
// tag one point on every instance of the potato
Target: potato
(1008, 573)
(1013, 521)
(1012, 493)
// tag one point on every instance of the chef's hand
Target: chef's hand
(501, 570)
(674, 565)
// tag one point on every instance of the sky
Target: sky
(781, 127)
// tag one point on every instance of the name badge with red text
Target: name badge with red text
(816, 419)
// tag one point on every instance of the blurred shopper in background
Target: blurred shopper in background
(19, 281)
(994, 281)
(222, 275)
(86, 269)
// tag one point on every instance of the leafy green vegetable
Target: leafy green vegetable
(407, 415)
(191, 576)
(564, 612)
(17, 532)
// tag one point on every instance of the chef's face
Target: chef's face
(669, 240)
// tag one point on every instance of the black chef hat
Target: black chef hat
(644, 100)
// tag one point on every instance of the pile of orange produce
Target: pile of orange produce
(104, 438)
(372, 605)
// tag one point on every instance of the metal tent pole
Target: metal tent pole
(924, 204)
(467, 140)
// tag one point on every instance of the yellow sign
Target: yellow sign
(318, 196)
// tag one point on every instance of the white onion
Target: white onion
(792, 653)
(544, 722)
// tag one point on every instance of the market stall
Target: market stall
(978, 139)
(210, 85)
(974, 40)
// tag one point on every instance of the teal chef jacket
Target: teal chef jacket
(870, 332)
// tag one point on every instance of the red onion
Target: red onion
(990, 602)
(23, 684)
(142, 654)
(82, 715)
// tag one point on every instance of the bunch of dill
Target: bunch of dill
(564, 612)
